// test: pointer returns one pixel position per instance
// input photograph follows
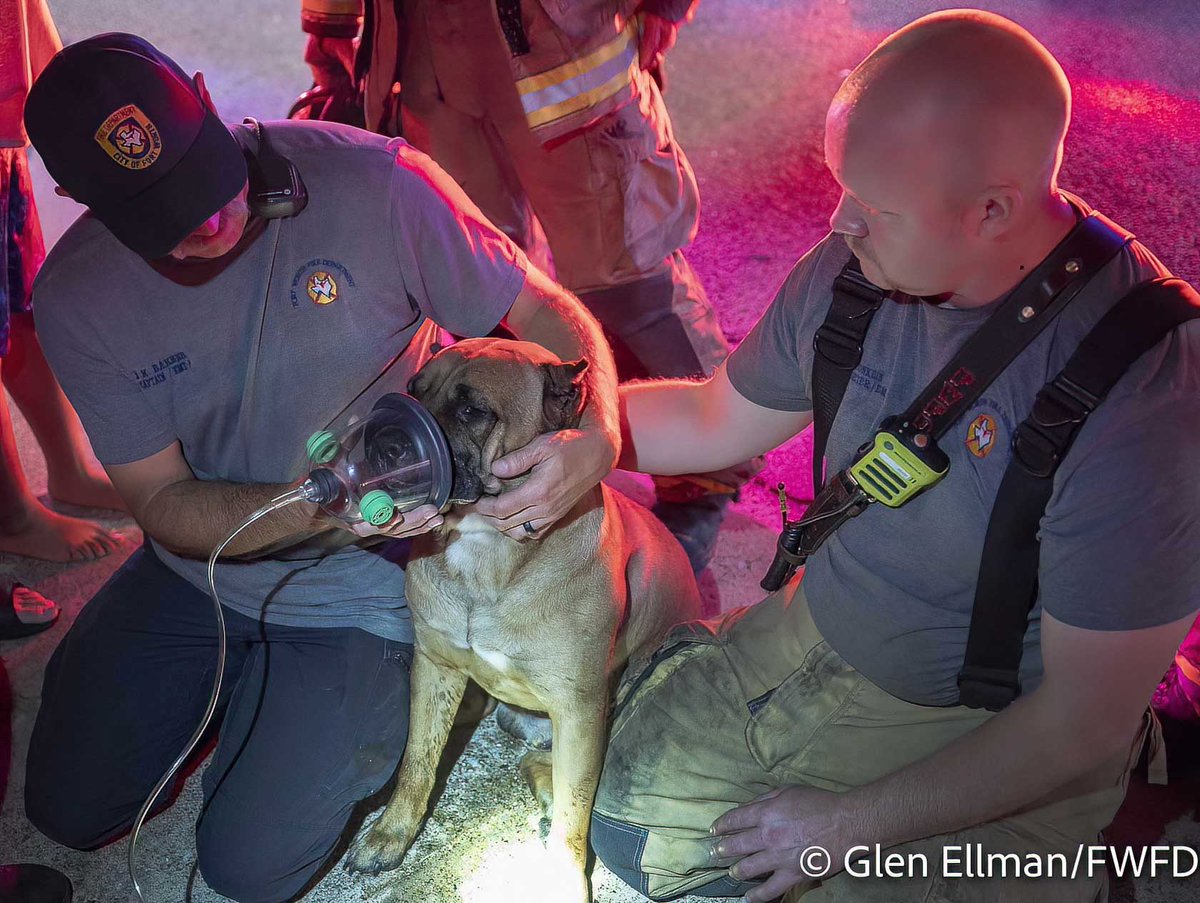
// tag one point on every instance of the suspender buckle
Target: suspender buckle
(1059, 410)
(851, 281)
(1063, 401)
(1036, 450)
(838, 345)
(855, 300)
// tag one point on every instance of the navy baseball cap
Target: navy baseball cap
(122, 129)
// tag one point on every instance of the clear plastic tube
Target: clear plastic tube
(302, 493)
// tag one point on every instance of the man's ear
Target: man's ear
(202, 90)
(997, 210)
(564, 396)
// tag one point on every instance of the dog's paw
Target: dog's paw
(377, 851)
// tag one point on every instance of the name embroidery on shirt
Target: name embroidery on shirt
(159, 372)
(869, 380)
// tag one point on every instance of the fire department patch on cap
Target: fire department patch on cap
(322, 287)
(981, 435)
(130, 138)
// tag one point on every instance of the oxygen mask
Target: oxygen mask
(367, 465)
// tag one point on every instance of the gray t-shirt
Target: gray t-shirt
(892, 590)
(243, 367)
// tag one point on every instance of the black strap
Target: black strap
(511, 23)
(838, 347)
(1032, 306)
(1006, 590)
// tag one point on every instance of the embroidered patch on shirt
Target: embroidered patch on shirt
(981, 435)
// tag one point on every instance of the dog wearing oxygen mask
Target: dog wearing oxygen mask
(546, 625)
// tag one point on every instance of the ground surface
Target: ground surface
(750, 80)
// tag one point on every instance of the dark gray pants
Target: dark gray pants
(311, 722)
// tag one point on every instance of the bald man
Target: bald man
(828, 715)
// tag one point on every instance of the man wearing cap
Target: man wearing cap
(202, 339)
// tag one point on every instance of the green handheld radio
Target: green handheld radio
(893, 468)
(897, 464)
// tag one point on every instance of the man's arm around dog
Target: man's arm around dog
(567, 464)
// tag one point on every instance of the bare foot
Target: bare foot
(86, 487)
(55, 537)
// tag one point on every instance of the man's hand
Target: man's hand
(773, 838)
(657, 37)
(414, 523)
(334, 97)
(330, 59)
(561, 466)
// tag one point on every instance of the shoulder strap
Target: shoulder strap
(1006, 590)
(1016, 321)
(838, 347)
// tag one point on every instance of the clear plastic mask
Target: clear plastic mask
(370, 464)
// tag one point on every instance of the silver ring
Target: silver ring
(528, 527)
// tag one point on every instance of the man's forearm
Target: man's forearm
(657, 415)
(192, 516)
(679, 426)
(1008, 764)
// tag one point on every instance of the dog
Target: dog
(546, 625)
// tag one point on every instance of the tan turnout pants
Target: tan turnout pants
(733, 708)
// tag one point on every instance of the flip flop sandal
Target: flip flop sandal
(11, 625)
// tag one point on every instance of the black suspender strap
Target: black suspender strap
(1030, 308)
(1006, 590)
(838, 347)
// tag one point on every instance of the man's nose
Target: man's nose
(209, 227)
(847, 218)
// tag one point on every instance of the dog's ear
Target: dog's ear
(565, 395)
(418, 384)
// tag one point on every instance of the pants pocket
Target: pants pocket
(658, 189)
(788, 721)
(382, 730)
(679, 645)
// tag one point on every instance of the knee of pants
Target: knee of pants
(59, 808)
(621, 846)
(62, 821)
(255, 864)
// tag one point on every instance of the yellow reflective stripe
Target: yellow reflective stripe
(579, 101)
(573, 68)
(1190, 671)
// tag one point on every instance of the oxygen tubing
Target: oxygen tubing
(303, 493)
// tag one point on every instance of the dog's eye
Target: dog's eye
(470, 413)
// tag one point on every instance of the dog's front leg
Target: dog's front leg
(436, 692)
(577, 755)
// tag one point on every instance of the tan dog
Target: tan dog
(546, 625)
